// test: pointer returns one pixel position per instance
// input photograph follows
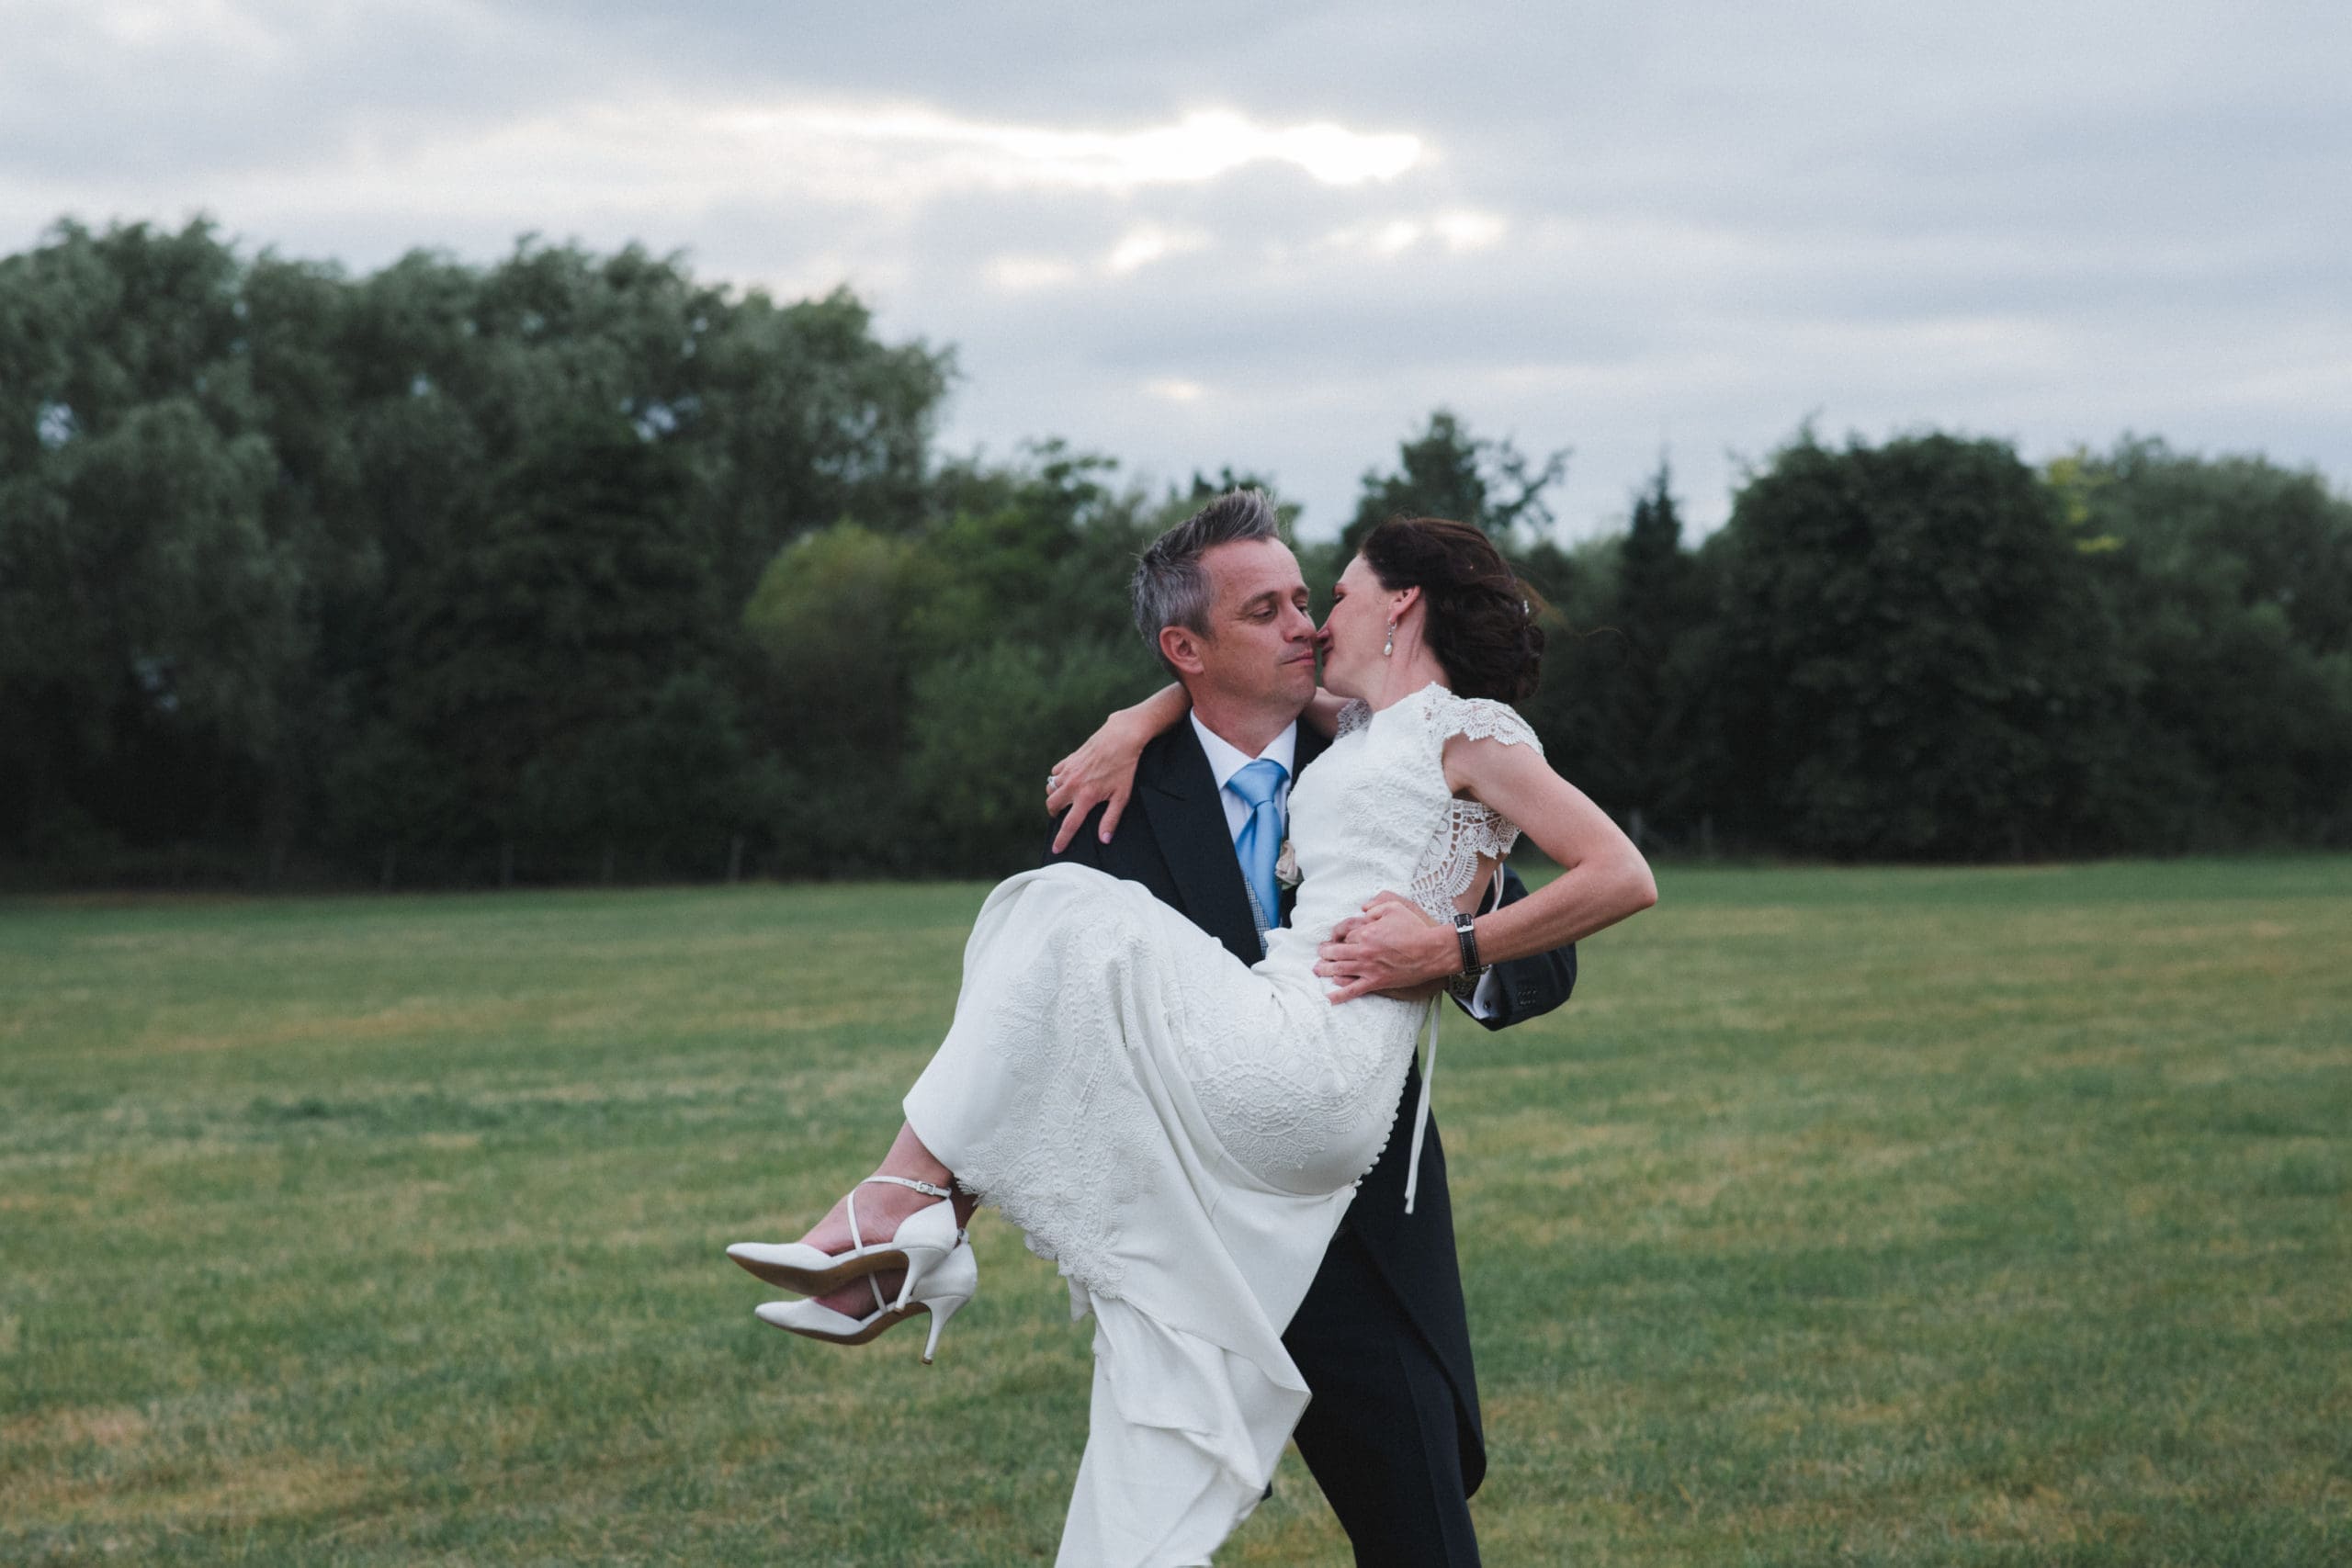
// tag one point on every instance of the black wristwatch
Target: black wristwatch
(1465, 985)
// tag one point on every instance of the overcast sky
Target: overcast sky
(1276, 236)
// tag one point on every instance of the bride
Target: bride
(1181, 1134)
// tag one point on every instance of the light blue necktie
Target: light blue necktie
(1261, 843)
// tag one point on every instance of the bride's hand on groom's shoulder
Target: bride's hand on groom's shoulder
(1393, 949)
(1100, 772)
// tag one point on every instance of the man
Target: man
(1392, 1434)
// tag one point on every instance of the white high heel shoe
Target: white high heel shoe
(924, 1240)
(948, 1286)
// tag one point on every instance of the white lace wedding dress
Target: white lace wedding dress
(1181, 1134)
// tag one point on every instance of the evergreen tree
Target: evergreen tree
(1637, 668)
(1447, 472)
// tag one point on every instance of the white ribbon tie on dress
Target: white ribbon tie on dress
(1422, 1115)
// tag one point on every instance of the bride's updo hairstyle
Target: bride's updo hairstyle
(1481, 618)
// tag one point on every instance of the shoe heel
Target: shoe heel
(920, 1263)
(926, 1242)
(942, 1309)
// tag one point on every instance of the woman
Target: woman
(1183, 1133)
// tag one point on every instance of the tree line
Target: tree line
(573, 568)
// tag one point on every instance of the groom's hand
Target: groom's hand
(1393, 949)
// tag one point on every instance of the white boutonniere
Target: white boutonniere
(1286, 865)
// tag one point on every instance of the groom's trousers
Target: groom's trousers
(1382, 1434)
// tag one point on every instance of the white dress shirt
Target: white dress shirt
(1225, 759)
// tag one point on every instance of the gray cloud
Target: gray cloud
(1689, 226)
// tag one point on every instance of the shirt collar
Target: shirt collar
(1225, 759)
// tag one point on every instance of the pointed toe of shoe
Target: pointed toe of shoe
(776, 1314)
(791, 1266)
(809, 1318)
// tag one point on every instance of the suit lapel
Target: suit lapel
(1180, 794)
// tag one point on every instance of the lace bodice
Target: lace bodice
(1470, 829)
(1373, 812)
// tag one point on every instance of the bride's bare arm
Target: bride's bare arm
(1603, 878)
(1103, 769)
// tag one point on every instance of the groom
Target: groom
(1392, 1434)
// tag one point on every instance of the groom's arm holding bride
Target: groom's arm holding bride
(1510, 992)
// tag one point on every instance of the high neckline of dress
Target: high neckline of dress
(1410, 696)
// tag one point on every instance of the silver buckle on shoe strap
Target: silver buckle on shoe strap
(924, 1187)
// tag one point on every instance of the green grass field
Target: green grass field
(1970, 1216)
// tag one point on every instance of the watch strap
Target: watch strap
(1465, 933)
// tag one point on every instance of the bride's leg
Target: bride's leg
(881, 1206)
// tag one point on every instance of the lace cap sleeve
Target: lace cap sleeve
(1481, 718)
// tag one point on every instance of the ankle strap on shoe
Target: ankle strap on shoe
(908, 1181)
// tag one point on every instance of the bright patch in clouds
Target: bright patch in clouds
(1137, 248)
(1148, 242)
(667, 161)
(1458, 231)
(1198, 148)
(1175, 389)
(1469, 230)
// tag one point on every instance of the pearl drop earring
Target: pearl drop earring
(1389, 648)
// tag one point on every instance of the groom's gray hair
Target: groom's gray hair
(1169, 588)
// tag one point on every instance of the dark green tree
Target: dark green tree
(1004, 614)
(1626, 669)
(150, 584)
(548, 668)
(1447, 472)
(577, 563)
(2230, 581)
(1913, 659)
(233, 494)
(835, 619)
(987, 723)
(803, 417)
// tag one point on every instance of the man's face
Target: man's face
(1260, 647)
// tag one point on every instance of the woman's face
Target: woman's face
(1354, 630)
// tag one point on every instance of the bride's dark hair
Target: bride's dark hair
(1481, 621)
